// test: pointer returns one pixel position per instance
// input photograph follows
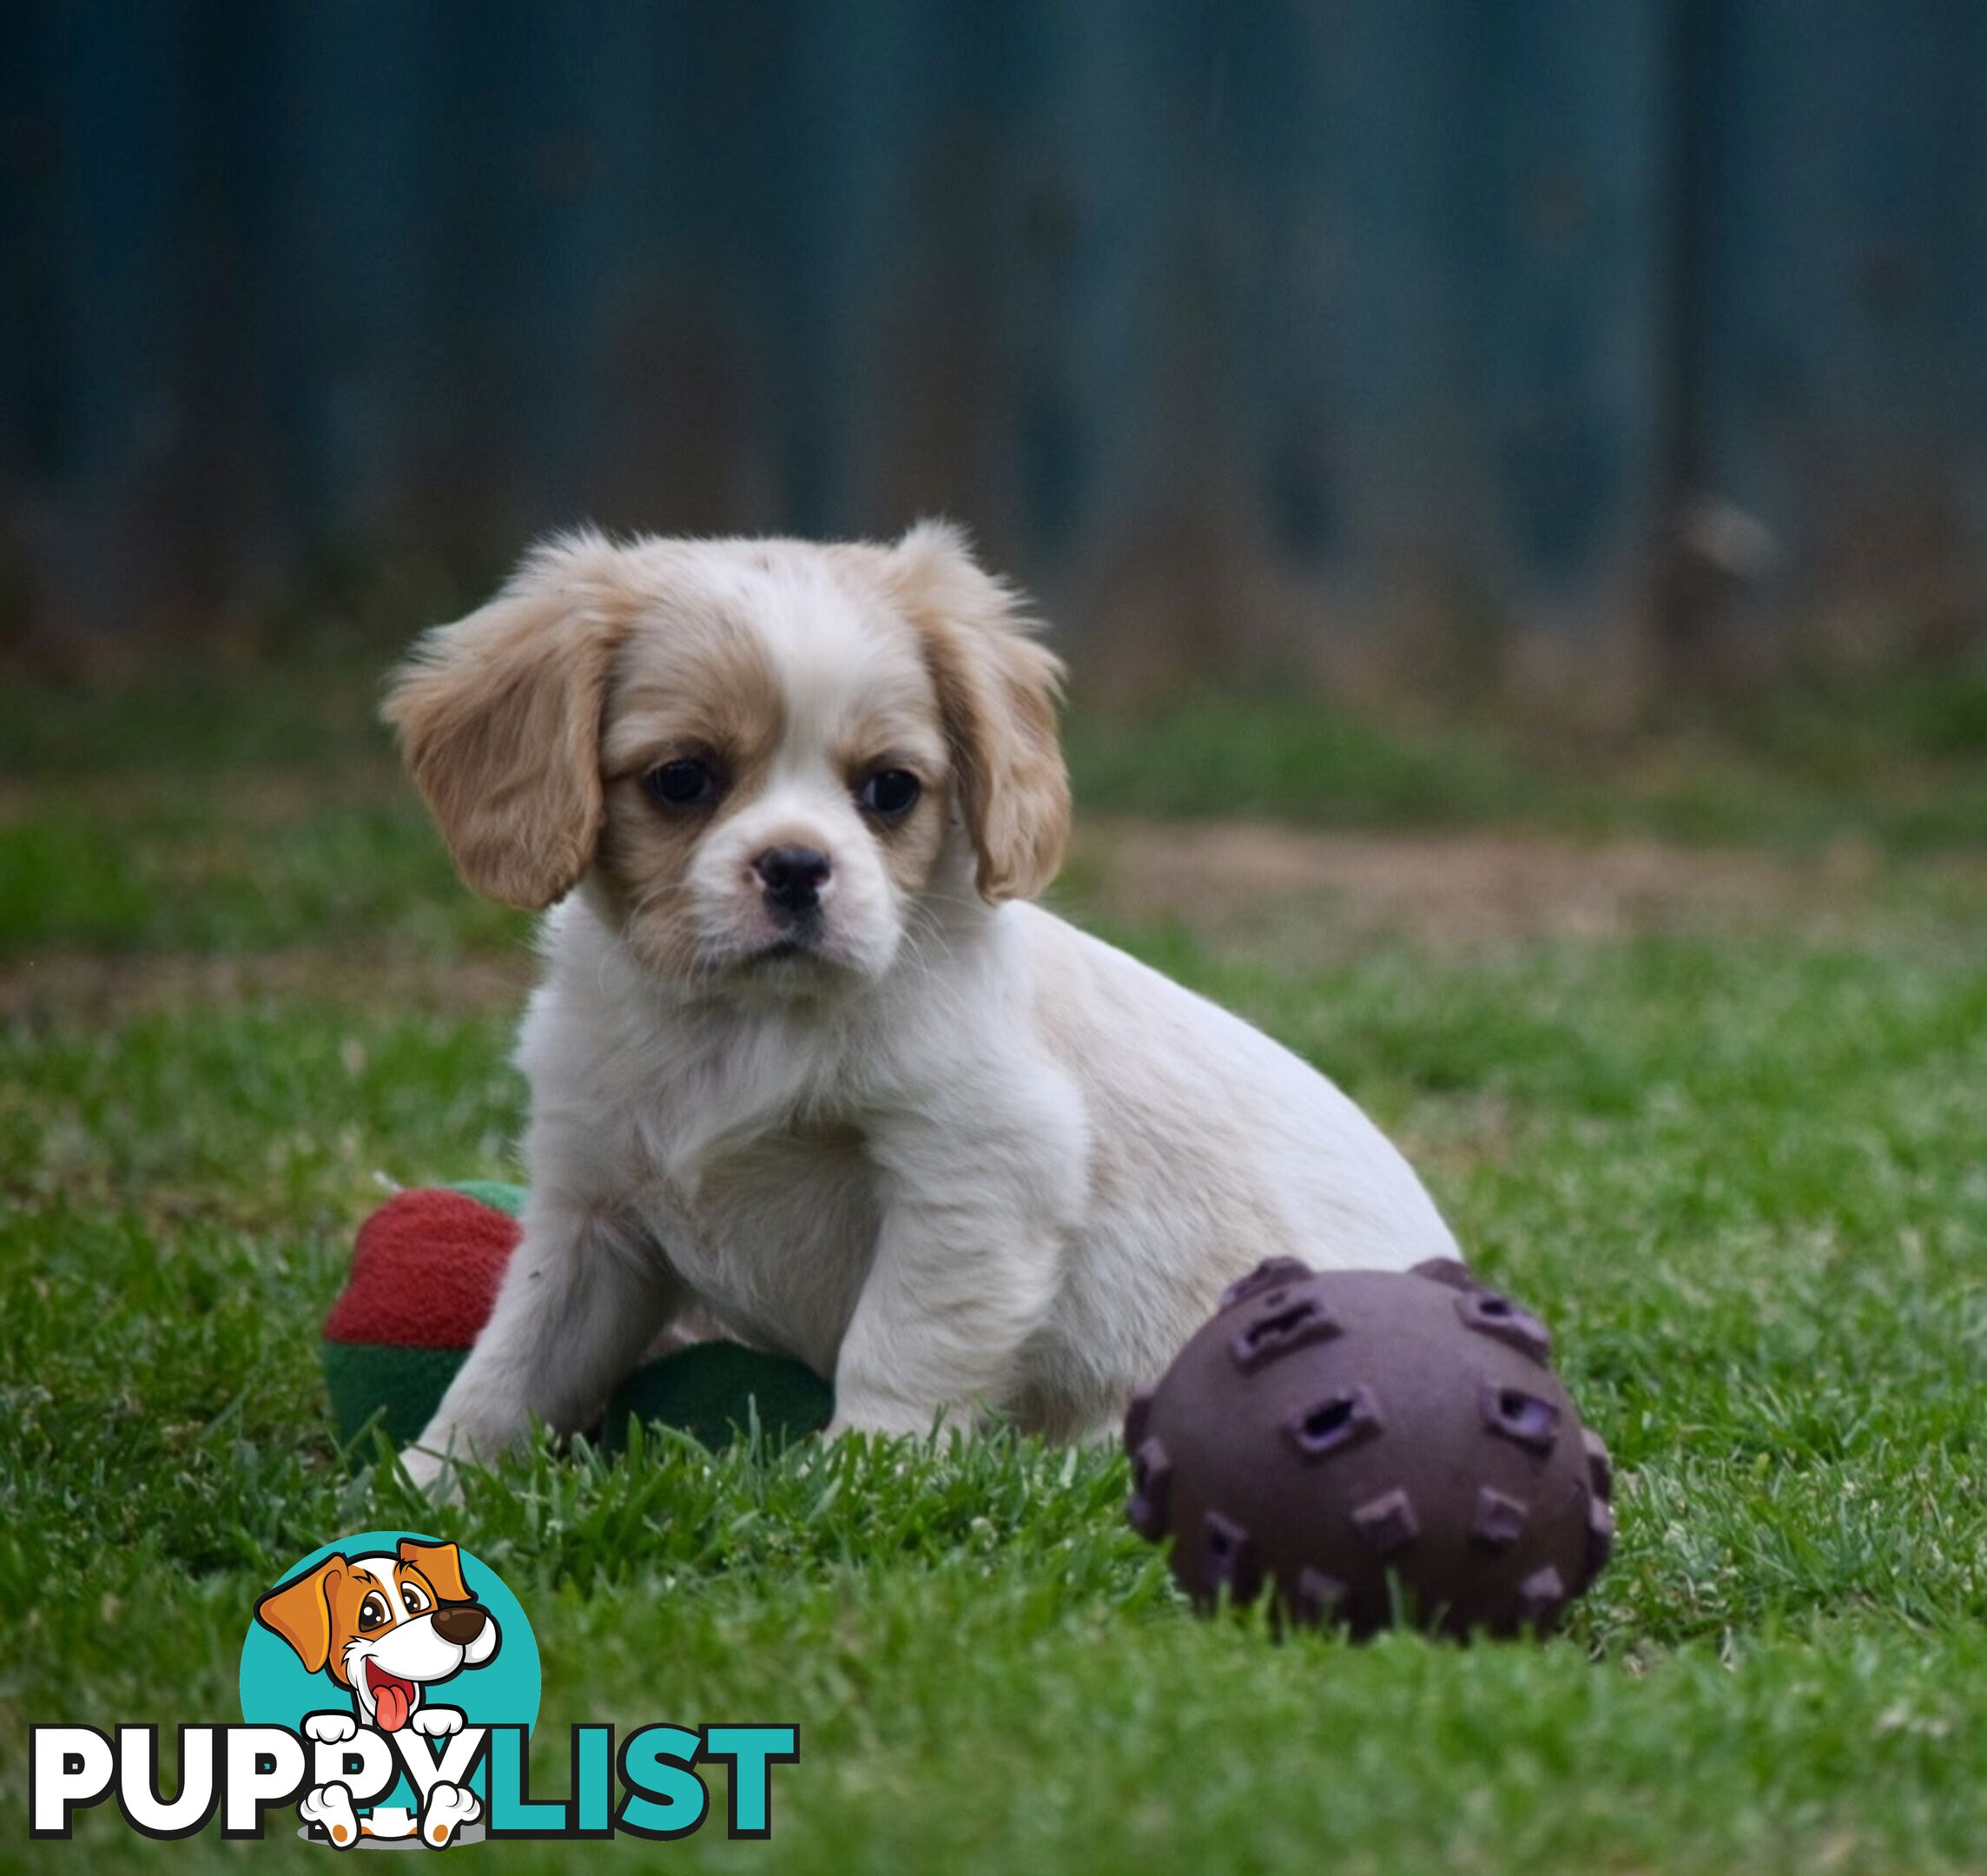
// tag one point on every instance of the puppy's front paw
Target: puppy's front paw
(330, 1728)
(888, 1419)
(431, 1473)
(328, 1808)
(448, 1808)
(438, 1723)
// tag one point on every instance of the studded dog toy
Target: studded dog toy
(1372, 1446)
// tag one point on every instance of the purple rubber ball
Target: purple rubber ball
(1371, 1447)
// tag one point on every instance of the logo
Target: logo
(390, 1683)
(405, 1640)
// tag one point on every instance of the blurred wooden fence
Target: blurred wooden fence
(1440, 338)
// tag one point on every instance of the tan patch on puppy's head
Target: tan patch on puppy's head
(900, 734)
(692, 685)
(998, 690)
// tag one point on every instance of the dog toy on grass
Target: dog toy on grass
(1372, 1446)
(424, 1276)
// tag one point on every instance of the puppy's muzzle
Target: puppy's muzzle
(793, 879)
(461, 1624)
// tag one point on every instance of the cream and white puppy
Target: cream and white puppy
(803, 1053)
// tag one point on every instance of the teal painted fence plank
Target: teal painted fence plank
(1267, 336)
(1834, 312)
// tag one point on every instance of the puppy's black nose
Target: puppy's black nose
(793, 877)
(462, 1624)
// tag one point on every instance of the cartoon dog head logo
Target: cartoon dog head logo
(392, 1653)
(386, 1627)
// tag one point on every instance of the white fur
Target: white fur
(967, 1158)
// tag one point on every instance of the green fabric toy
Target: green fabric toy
(424, 1276)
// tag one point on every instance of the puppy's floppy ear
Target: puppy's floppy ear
(441, 1563)
(300, 1612)
(998, 691)
(499, 718)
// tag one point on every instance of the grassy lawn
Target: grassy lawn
(1734, 1148)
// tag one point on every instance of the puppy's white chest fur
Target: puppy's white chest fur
(775, 1238)
(675, 1133)
(756, 1149)
(1148, 1147)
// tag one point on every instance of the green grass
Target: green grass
(231, 816)
(1742, 1177)
(1797, 771)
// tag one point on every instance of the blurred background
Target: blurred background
(1581, 351)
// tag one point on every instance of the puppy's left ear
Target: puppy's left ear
(998, 690)
(500, 718)
(441, 1563)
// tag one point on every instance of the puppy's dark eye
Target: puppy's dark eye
(373, 1611)
(412, 1596)
(688, 784)
(890, 792)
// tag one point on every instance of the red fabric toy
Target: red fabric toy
(424, 1278)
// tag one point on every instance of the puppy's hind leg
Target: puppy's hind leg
(584, 1295)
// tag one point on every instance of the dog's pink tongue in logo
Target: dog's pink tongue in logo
(394, 1698)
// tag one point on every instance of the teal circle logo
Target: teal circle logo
(404, 1637)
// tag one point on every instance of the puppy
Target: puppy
(803, 1051)
(384, 1627)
